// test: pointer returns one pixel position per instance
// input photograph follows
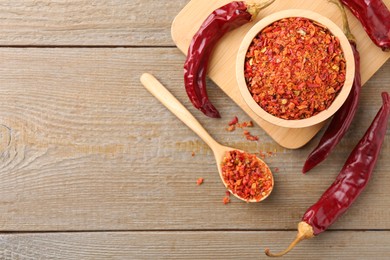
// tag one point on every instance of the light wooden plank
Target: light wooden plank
(82, 22)
(192, 245)
(86, 147)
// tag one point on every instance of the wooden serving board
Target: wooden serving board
(222, 64)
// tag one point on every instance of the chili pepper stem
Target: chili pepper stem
(346, 28)
(305, 231)
(254, 8)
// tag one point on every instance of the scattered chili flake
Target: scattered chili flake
(246, 124)
(199, 181)
(226, 200)
(250, 137)
(294, 68)
(276, 169)
(231, 128)
(262, 155)
(233, 121)
(193, 154)
(227, 193)
(246, 175)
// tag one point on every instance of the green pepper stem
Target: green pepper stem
(346, 28)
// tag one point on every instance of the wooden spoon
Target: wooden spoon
(174, 105)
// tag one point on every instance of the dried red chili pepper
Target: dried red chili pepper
(350, 182)
(218, 23)
(342, 119)
(375, 19)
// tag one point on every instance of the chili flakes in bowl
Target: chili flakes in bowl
(294, 68)
(246, 175)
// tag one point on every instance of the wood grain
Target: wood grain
(88, 148)
(192, 245)
(222, 67)
(84, 147)
(86, 23)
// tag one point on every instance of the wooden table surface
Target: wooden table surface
(94, 167)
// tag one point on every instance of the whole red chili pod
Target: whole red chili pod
(342, 119)
(216, 25)
(350, 182)
(375, 19)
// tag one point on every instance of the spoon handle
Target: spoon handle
(174, 105)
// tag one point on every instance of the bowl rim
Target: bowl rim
(342, 95)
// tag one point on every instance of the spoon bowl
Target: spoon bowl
(170, 102)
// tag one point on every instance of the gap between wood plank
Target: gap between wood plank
(89, 46)
(181, 231)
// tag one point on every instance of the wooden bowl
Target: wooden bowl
(337, 102)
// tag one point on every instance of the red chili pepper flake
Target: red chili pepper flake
(199, 181)
(250, 137)
(276, 170)
(294, 68)
(246, 175)
(262, 155)
(231, 128)
(233, 121)
(193, 154)
(227, 193)
(246, 124)
(226, 200)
